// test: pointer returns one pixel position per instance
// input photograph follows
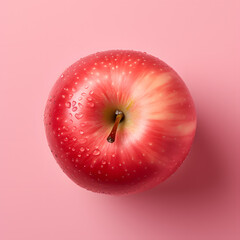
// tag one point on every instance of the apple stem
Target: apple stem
(111, 137)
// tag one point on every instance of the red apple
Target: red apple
(119, 121)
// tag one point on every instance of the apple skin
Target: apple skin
(153, 139)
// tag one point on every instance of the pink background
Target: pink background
(199, 39)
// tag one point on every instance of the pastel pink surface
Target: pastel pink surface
(199, 39)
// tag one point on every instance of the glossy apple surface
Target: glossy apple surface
(152, 139)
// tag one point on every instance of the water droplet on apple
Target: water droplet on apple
(65, 139)
(82, 140)
(81, 132)
(82, 149)
(89, 99)
(74, 103)
(65, 127)
(74, 109)
(90, 104)
(91, 92)
(78, 115)
(68, 104)
(96, 152)
(83, 94)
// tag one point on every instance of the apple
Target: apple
(119, 121)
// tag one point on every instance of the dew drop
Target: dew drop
(83, 94)
(78, 115)
(80, 98)
(82, 140)
(82, 149)
(90, 104)
(96, 152)
(74, 109)
(65, 139)
(68, 104)
(74, 103)
(81, 132)
(89, 99)
(91, 92)
(63, 96)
